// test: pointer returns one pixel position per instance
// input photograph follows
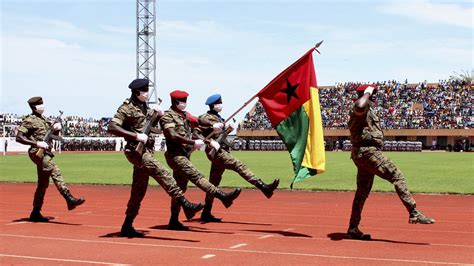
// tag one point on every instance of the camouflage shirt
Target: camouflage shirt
(132, 116)
(35, 128)
(212, 118)
(180, 122)
(365, 129)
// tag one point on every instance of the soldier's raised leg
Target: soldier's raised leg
(390, 172)
(230, 162)
(184, 167)
(51, 167)
(166, 180)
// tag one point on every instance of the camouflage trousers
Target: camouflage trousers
(222, 161)
(145, 166)
(184, 170)
(45, 168)
(370, 161)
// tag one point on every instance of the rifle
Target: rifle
(221, 139)
(49, 135)
(148, 126)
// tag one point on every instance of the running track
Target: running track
(292, 228)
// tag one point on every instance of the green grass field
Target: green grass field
(425, 172)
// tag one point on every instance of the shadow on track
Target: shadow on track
(191, 229)
(229, 222)
(117, 235)
(343, 236)
(48, 222)
(283, 233)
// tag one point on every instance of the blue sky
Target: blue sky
(80, 54)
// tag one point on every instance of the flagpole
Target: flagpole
(240, 109)
(316, 46)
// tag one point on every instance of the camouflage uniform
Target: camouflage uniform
(178, 156)
(223, 159)
(367, 142)
(131, 116)
(35, 128)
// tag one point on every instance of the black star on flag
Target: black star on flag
(290, 90)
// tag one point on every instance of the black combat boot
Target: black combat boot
(128, 230)
(207, 217)
(227, 198)
(175, 225)
(71, 201)
(355, 233)
(35, 216)
(267, 189)
(190, 209)
(417, 217)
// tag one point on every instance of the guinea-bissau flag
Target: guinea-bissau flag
(291, 101)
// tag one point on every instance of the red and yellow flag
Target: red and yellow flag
(291, 101)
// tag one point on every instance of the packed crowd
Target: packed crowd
(447, 104)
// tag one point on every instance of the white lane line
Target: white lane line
(56, 259)
(265, 236)
(208, 256)
(242, 251)
(288, 229)
(83, 212)
(14, 223)
(238, 246)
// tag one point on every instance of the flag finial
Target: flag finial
(316, 46)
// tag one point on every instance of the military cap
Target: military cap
(35, 101)
(213, 99)
(139, 84)
(178, 94)
(365, 86)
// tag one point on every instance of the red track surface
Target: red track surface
(292, 228)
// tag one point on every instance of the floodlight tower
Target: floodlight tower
(146, 53)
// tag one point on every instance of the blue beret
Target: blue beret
(213, 99)
(179, 94)
(139, 84)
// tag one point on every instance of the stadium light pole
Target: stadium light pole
(146, 49)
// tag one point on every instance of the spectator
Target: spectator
(433, 144)
(446, 105)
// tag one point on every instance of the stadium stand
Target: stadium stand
(410, 114)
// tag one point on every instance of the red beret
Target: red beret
(364, 86)
(177, 94)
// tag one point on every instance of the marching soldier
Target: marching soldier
(32, 132)
(176, 127)
(367, 141)
(223, 160)
(129, 123)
